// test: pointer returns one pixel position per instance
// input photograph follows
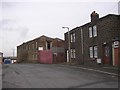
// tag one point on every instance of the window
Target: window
(91, 52)
(94, 31)
(72, 37)
(72, 53)
(106, 51)
(90, 32)
(40, 48)
(48, 45)
(95, 52)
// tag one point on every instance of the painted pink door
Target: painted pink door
(116, 56)
(45, 57)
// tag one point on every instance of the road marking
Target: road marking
(110, 68)
(97, 71)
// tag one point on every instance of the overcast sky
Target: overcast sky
(23, 20)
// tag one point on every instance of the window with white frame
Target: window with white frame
(91, 52)
(72, 37)
(90, 32)
(95, 51)
(106, 51)
(73, 53)
(94, 31)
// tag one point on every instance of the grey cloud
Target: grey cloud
(6, 5)
(23, 31)
(1, 37)
(6, 21)
(9, 25)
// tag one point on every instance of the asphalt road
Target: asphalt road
(54, 76)
(0, 76)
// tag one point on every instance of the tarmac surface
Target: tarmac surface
(0, 76)
(58, 76)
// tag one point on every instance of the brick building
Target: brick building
(95, 40)
(29, 51)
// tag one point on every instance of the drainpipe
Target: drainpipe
(82, 44)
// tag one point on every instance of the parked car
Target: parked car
(7, 61)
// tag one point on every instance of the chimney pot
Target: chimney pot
(94, 17)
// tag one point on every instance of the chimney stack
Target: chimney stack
(94, 17)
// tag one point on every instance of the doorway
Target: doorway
(106, 54)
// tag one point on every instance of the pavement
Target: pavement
(106, 69)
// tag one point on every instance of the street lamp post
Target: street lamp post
(68, 44)
(13, 52)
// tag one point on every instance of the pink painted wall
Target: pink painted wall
(116, 56)
(45, 57)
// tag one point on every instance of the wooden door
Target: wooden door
(106, 55)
